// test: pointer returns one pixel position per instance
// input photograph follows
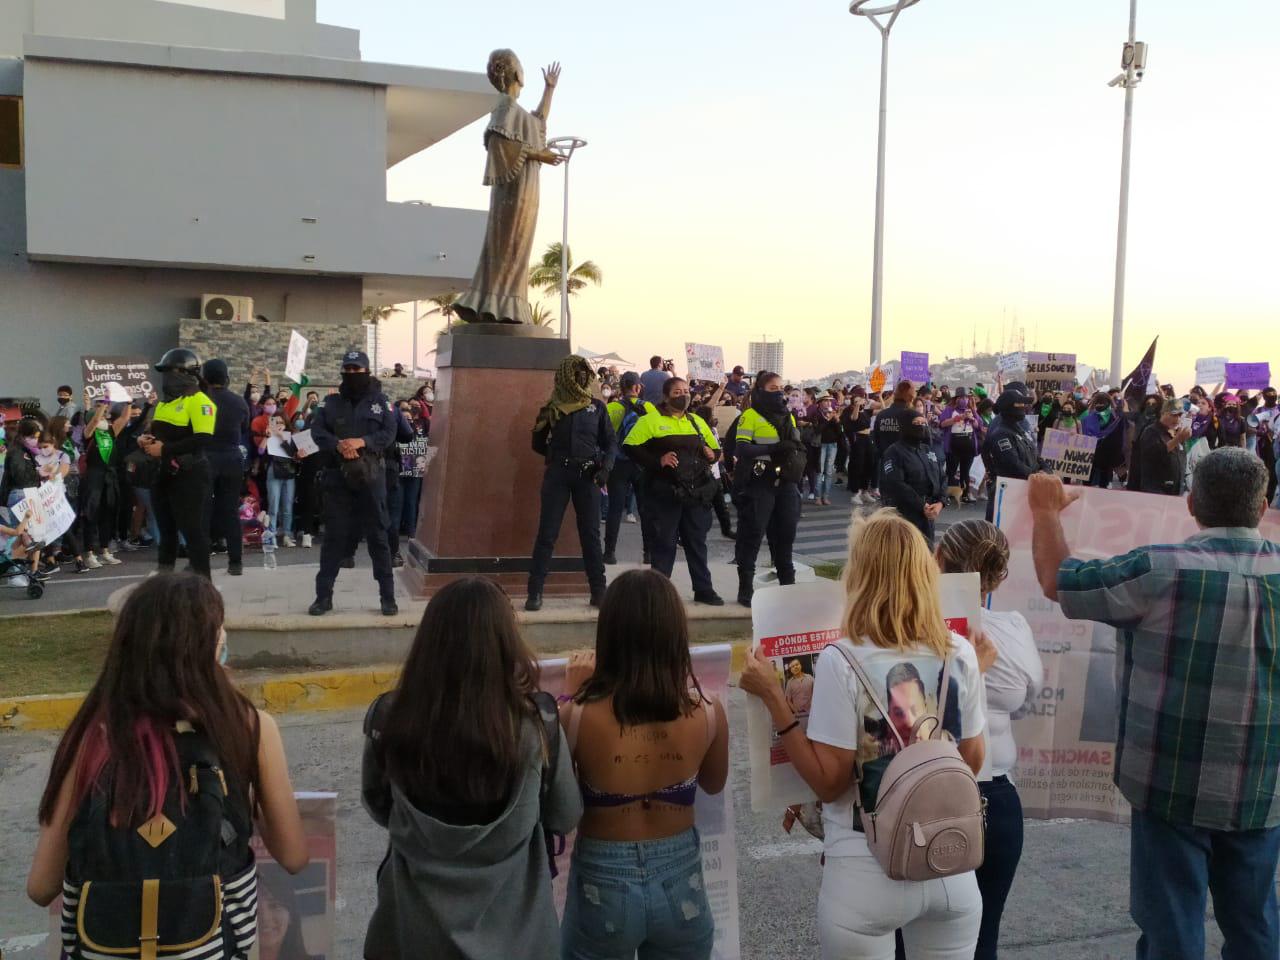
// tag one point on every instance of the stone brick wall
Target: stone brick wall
(247, 345)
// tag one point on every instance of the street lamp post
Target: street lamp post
(565, 147)
(863, 8)
(1134, 62)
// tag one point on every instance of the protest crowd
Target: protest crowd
(914, 865)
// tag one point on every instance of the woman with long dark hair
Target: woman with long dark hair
(161, 727)
(645, 739)
(456, 767)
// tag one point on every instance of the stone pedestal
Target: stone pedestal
(480, 497)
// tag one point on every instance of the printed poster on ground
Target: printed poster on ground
(134, 373)
(1051, 372)
(793, 625)
(712, 815)
(1069, 455)
(1067, 738)
(706, 362)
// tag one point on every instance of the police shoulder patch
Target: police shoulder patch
(1005, 445)
(206, 410)
(375, 408)
(888, 466)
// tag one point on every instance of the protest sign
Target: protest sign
(713, 816)
(1211, 370)
(915, 367)
(115, 392)
(296, 360)
(1051, 371)
(1069, 455)
(133, 373)
(1248, 376)
(706, 362)
(275, 447)
(305, 445)
(1067, 738)
(1010, 363)
(876, 381)
(46, 510)
(793, 625)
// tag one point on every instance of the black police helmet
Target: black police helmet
(180, 358)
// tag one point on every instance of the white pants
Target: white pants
(859, 908)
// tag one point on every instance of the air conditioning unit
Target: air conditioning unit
(222, 307)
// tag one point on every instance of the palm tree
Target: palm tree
(444, 306)
(542, 317)
(545, 274)
(378, 314)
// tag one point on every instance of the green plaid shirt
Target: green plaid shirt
(1198, 674)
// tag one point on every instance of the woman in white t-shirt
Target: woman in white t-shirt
(898, 635)
(976, 546)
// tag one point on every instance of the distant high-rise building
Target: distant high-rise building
(764, 356)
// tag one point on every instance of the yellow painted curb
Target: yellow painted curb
(308, 691)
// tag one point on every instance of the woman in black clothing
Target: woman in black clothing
(855, 420)
(100, 486)
(20, 471)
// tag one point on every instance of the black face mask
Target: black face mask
(771, 401)
(680, 403)
(63, 401)
(354, 385)
(915, 432)
(1015, 413)
(177, 383)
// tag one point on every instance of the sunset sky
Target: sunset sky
(728, 189)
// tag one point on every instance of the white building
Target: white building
(152, 152)
(765, 356)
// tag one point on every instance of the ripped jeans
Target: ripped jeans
(643, 899)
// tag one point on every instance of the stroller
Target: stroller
(251, 524)
(16, 568)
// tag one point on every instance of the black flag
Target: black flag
(1135, 384)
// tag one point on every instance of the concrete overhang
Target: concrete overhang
(424, 104)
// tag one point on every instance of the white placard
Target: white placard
(275, 448)
(297, 361)
(1211, 370)
(306, 446)
(1012, 363)
(46, 510)
(705, 361)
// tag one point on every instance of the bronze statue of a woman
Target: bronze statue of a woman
(516, 143)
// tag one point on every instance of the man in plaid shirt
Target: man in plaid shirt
(1198, 681)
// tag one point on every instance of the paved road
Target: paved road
(1069, 901)
(821, 536)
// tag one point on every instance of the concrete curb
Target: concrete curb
(299, 692)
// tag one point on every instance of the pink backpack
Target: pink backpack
(930, 819)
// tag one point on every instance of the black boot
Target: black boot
(746, 585)
(322, 606)
(533, 601)
(610, 558)
(597, 596)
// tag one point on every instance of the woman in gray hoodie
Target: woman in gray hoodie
(457, 767)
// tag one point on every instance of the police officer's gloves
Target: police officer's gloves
(601, 477)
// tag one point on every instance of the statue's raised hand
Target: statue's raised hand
(551, 74)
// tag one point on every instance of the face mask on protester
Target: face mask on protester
(680, 403)
(63, 400)
(32, 444)
(254, 396)
(177, 383)
(962, 403)
(355, 384)
(269, 408)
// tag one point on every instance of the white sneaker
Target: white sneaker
(92, 562)
(811, 498)
(306, 540)
(631, 518)
(106, 556)
(856, 499)
(287, 541)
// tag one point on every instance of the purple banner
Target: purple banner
(915, 367)
(1248, 376)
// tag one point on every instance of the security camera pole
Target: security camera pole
(1134, 63)
(565, 146)
(862, 8)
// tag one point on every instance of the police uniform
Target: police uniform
(578, 448)
(353, 508)
(181, 493)
(768, 502)
(623, 479)
(678, 499)
(1010, 449)
(911, 478)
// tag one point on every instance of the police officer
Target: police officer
(912, 476)
(226, 455)
(887, 428)
(352, 429)
(770, 461)
(676, 448)
(181, 430)
(575, 436)
(624, 413)
(1010, 449)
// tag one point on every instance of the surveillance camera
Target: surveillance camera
(1119, 81)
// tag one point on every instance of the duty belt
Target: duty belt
(575, 464)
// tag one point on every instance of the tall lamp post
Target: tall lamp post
(565, 147)
(864, 8)
(1134, 62)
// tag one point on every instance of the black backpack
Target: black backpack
(155, 890)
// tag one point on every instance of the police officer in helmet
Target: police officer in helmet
(575, 436)
(180, 432)
(352, 428)
(1010, 449)
(770, 460)
(912, 476)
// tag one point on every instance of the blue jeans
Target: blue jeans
(1172, 870)
(826, 468)
(1004, 850)
(642, 899)
(280, 503)
(144, 498)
